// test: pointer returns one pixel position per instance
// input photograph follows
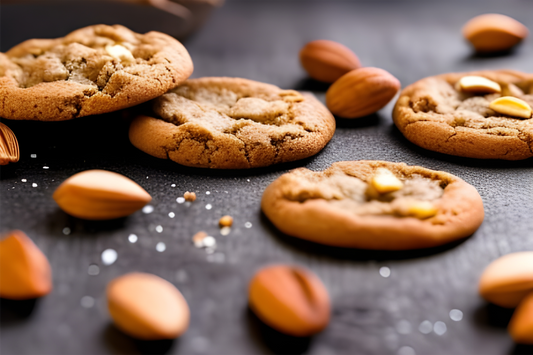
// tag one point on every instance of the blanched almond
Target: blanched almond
(385, 181)
(9, 146)
(494, 32)
(511, 106)
(99, 195)
(147, 307)
(24, 270)
(327, 60)
(507, 280)
(478, 84)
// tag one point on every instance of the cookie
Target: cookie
(436, 115)
(373, 205)
(93, 70)
(233, 123)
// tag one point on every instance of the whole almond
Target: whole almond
(25, 271)
(507, 280)
(521, 324)
(99, 195)
(147, 307)
(290, 299)
(327, 60)
(361, 92)
(9, 146)
(494, 32)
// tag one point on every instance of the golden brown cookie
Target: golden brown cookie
(436, 115)
(341, 206)
(233, 123)
(92, 70)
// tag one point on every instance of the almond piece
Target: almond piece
(225, 221)
(385, 181)
(478, 84)
(290, 299)
(147, 307)
(99, 195)
(521, 324)
(361, 92)
(511, 106)
(494, 32)
(9, 146)
(507, 280)
(25, 271)
(327, 60)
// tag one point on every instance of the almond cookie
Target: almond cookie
(374, 205)
(92, 70)
(233, 123)
(457, 114)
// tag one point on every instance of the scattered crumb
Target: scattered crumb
(189, 196)
(225, 221)
(198, 239)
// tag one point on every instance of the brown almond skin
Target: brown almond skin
(147, 307)
(494, 32)
(327, 60)
(361, 92)
(521, 324)
(24, 270)
(100, 195)
(290, 299)
(9, 146)
(507, 280)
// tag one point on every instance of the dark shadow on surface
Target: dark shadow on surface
(120, 343)
(522, 349)
(493, 316)
(15, 311)
(395, 134)
(308, 84)
(58, 219)
(366, 121)
(301, 245)
(278, 343)
(481, 56)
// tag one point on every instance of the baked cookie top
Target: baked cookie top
(233, 123)
(92, 70)
(437, 113)
(374, 205)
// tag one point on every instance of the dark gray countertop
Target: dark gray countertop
(260, 40)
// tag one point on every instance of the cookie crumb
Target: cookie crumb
(189, 196)
(198, 239)
(225, 221)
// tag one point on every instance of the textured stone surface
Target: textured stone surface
(411, 40)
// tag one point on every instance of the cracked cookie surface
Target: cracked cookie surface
(337, 206)
(433, 114)
(93, 70)
(233, 123)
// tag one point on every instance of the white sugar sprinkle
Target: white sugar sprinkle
(225, 230)
(456, 315)
(159, 229)
(46, 167)
(180, 200)
(23, 180)
(208, 206)
(33, 155)
(439, 328)
(148, 209)
(66, 231)
(109, 256)
(248, 225)
(171, 214)
(34, 185)
(160, 247)
(132, 238)
(384, 271)
(173, 185)
(209, 241)
(208, 193)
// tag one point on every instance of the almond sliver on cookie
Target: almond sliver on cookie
(478, 84)
(511, 106)
(385, 181)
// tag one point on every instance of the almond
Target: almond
(9, 146)
(361, 92)
(494, 32)
(521, 324)
(511, 106)
(25, 269)
(478, 85)
(290, 299)
(327, 60)
(147, 307)
(507, 280)
(99, 195)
